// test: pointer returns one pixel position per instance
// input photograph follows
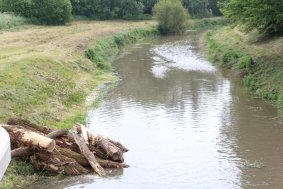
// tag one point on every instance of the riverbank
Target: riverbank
(46, 76)
(258, 62)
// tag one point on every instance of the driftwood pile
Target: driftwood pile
(75, 152)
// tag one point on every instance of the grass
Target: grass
(260, 67)
(45, 75)
(205, 23)
(20, 173)
(10, 21)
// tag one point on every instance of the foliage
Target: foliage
(48, 11)
(261, 71)
(9, 21)
(202, 8)
(106, 9)
(101, 52)
(52, 11)
(148, 5)
(264, 15)
(171, 15)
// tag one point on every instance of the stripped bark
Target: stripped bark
(112, 151)
(88, 155)
(27, 137)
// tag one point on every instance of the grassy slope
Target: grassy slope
(259, 63)
(44, 73)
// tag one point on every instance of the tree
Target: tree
(264, 15)
(47, 11)
(171, 15)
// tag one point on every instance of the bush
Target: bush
(52, 11)
(246, 63)
(171, 16)
(8, 21)
(47, 11)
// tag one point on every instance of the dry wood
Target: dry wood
(57, 163)
(57, 133)
(29, 125)
(112, 151)
(83, 161)
(28, 137)
(21, 152)
(88, 154)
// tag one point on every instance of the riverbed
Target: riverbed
(187, 123)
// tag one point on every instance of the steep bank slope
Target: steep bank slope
(260, 64)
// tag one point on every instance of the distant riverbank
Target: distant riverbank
(258, 62)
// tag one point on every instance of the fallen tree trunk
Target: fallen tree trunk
(88, 155)
(29, 125)
(58, 133)
(114, 152)
(83, 161)
(57, 163)
(21, 152)
(26, 137)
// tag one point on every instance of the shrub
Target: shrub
(171, 16)
(52, 11)
(47, 11)
(8, 21)
(246, 63)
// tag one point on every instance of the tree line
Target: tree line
(60, 11)
(264, 15)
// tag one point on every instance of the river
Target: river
(187, 123)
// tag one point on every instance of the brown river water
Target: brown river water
(187, 123)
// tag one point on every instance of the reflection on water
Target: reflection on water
(186, 125)
(178, 55)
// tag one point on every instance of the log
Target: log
(119, 145)
(84, 133)
(58, 133)
(57, 163)
(87, 154)
(21, 152)
(114, 152)
(29, 125)
(27, 137)
(83, 161)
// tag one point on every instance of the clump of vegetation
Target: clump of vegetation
(18, 172)
(48, 11)
(265, 16)
(280, 101)
(171, 15)
(101, 52)
(8, 21)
